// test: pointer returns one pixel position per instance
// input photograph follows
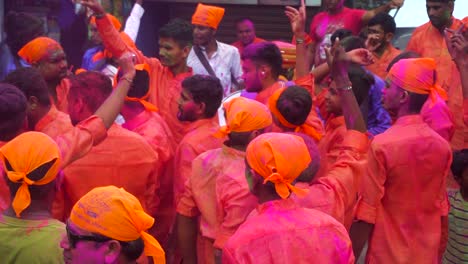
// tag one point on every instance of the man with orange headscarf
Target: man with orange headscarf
(401, 221)
(166, 73)
(284, 232)
(217, 192)
(209, 56)
(115, 220)
(142, 118)
(31, 163)
(428, 41)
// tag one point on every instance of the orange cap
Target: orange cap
(417, 76)
(279, 158)
(37, 48)
(24, 154)
(304, 128)
(117, 214)
(114, 21)
(243, 115)
(208, 16)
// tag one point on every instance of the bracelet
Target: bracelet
(299, 41)
(125, 78)
(346, 88)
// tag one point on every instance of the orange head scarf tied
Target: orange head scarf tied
(37, 48)
(115, 22)
(208, 16)
(244, 115)
(417, 76)
(24, 154)
(279, 158)
(304, 128)
(115, 213)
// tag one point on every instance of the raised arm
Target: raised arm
(132, 25)
(297, 19)
(383, 8)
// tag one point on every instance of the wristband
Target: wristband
(125, 78)
(346, 88)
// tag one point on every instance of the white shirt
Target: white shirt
(224, 62)
(132, 25)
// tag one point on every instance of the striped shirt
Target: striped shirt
(457, 245)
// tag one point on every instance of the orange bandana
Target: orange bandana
(37, 48)
(115, 22)
(115, 213)
(243, 115)
(208, 16)
(25, 153)
(279, 158)
(304, 128)
(417, 76)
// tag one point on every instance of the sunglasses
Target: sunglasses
(74, 238)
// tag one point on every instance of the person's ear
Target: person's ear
(405, 97)
(33, 102)
(389, 37)
(112, 252)
(186, 51)
(201, 109)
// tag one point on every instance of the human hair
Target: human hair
(340, 34)
(309, 173)
(179, 30)
(92, 86)
(13, 107)
(140, 84)
(265, 53)
(361, 81)
(401, 56)
(131, 250)
(205, 89)
(243, 19)
(459, 162)
(30, 81)
(21, 28)
(352, 43)
(385, 20)
(416, 102)
(295, 104)
(37, 192)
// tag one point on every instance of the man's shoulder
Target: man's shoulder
(128, 141)
(226, 47)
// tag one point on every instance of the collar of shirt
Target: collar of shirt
(49, 117)
(137, 121)
(233, 152)
(277, 205)
(200, 123)
(409, 120)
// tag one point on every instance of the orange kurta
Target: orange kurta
(166, 87)
(199, 138)
(283, 232)
(240, 46)
(329, 145)
(123, 159)
(429, 42)
(380, 65)
(404, 193)
(54, 123)
(336, 193)
(156, 132)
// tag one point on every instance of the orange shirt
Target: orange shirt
(198, 139)
(156, 132)
(429, 42)
(404, 193)
(438, 116)
(166, 87)
(465, 111)
(380, 65)
(240, 46)
(336, 193)
(283, 232)
(54, 123)
(123, 159)
(329, 145)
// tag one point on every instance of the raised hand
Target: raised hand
(127, 66)
(297, 18)
(94, 5)
(457, 45)
(396, 3)
(360, 56)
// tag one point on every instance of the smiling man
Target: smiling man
(245, 34)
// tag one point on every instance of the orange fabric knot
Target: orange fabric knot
(417, 76)
(37, 48)
(117, 214)
(208, 16)
(24, 154)
(304, 128)
(279, 158)
(244, 115)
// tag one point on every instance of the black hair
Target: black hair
(131, 250)
(94, 87)
(341, 34)
(352, 43)
(265, 53)
(459, 162)
(179, 30)
(295, 104)
(30, 81)
(205, 89)
(140, 84)
(385, 20)
(13, 105)
(242, 19)
(416, 102)
(361, 81)
(21, 28)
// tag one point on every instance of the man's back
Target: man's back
(123, 159)
(283, 232)
(404, 193)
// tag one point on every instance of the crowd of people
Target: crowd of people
(334, 148)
